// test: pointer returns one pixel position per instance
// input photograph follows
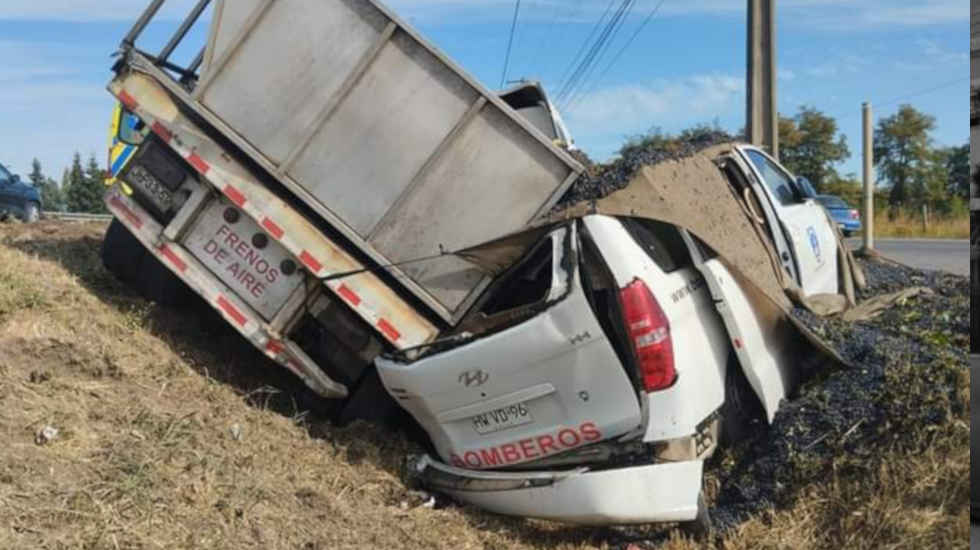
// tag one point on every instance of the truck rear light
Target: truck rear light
(649, 332)
(854, 214)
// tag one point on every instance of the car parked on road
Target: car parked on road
(18, 198)
(847, 218)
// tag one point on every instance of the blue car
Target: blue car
(847, 218)
(18, 198)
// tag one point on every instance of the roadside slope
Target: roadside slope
(172, 433)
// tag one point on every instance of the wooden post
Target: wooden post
(869, 184)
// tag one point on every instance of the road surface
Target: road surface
(952, 255)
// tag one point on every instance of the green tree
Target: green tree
(904, 156)
(810, 146)
(85, 188)
(36, 177)
(957, 161)
(51, 195)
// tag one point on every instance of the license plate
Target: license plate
(502, 418)
(233, 247)
(141, 178)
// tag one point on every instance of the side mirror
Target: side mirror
(806, 188)
(15, 179)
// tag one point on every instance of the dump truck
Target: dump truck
(310, 168)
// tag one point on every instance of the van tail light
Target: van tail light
(649, 332)
(854, 215)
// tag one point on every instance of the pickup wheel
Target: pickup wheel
(122, 254)
(742, 408)
(32, 212)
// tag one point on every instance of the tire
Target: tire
(742, 409)
(32, 213)
(158, 284)
(122, 254)
(370, 401)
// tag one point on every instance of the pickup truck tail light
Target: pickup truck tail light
(649, 333)
(854, 215)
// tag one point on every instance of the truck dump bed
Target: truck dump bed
(380, 133)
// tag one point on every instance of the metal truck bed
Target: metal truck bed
(375, 129)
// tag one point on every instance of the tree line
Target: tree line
(911, 170)
(80, 190)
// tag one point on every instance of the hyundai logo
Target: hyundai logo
(473, 378)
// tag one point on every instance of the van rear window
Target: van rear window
(661, 241)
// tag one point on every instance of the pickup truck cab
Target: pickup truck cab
(18, 198)
(594, 378)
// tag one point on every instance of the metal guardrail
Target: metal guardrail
(72, 216)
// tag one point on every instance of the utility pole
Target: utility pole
(762, 116)
(869, 182)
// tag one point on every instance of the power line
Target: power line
(910, 95)
(626, 46)
(577, 96)
(510, 42)
(598, 25)
(601, 54)
(613, 25)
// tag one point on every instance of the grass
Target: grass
(905, 225)
(146, 402)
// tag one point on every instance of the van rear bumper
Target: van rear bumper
(637, 494)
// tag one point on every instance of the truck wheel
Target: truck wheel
(158, 284)
(742, 408)
(369, 401)
(700, 527)
(32, 213)
(122, 254)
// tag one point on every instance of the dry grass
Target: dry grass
(146, 400)
(906, 225)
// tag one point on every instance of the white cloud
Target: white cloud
(635, 108)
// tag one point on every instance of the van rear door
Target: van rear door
(541, 387)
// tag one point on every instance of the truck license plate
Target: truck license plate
(256, 267)
(502, 418)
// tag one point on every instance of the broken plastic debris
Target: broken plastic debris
(236, 432)
(45, 435)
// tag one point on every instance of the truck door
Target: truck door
(803, 221)
(541, 387)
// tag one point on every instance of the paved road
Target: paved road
(952, 255)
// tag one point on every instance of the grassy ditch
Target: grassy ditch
(905, 225)
(173, 434)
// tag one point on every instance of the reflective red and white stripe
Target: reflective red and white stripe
(383, 325)
(238, 314)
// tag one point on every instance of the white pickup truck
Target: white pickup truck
(594, 378)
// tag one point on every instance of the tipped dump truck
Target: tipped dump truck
(309, 170)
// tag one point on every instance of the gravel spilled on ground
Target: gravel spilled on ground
(908, 365)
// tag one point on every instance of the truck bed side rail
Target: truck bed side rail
(162, 59)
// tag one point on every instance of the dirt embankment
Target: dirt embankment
(172, 433)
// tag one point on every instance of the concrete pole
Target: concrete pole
(762, 115)
(869, 181)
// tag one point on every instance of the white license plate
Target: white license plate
(254, 265)
(502, 418)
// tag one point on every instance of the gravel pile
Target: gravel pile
(600, 180)
(904, 381)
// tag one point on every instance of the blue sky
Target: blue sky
(686, 67)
